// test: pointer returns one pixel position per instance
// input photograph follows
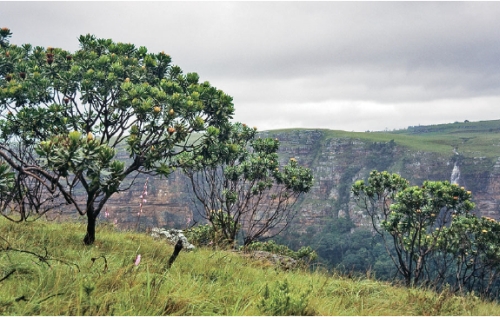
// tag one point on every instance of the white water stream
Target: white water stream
(455, 174)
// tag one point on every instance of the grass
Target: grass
(68, 278)
(469, 138)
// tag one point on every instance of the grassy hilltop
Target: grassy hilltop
(469, 138)
(45, 270)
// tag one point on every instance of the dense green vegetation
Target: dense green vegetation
(343, 247)
(66, 277)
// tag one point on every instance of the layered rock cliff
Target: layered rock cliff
(337, 159)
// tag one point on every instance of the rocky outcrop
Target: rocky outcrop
(172, 236)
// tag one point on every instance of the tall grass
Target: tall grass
(69, 278)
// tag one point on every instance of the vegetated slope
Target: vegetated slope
(46, 270)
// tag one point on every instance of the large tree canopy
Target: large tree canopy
(63, 115)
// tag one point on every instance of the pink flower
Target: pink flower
(137, 260)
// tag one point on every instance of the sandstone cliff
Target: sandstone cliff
(338, 159)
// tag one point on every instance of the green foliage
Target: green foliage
(381, 155)
(201, 235)
(6, 180)
(342, 247)
(435, 237)
(376, 195)
(74, 154)
(305, 254)
(5, 34)
(280, 302)
(63, 114)
(239, 182)
(212, 234)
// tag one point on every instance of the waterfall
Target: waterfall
(455, 174)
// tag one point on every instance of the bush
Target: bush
(282, 302)
(202, 235)
(304, 254)
(211, 234)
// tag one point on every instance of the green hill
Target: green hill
(470, 138)
(45, 270)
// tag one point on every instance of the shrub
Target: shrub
(280, 301)
(201, 235)
(304, 254)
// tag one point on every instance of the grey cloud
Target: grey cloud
(314, 55)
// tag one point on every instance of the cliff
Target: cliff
(337, 159)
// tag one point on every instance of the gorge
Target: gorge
(465, 153)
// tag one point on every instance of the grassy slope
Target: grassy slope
(471, 139)
(204, 282)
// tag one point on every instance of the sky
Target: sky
(353, 66)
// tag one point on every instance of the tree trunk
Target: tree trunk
(90, 235)
(177, 248)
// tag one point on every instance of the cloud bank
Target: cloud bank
(352, 66)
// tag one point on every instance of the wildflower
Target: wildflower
(106, 213)
(137, 260)
(484, 231)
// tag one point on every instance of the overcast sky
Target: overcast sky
(351, 66)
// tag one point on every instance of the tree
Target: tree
(415, 218)
(238, 180)
(473, 246)
(63, 116)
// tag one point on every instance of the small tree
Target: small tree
(238, 180)
(415, 218)
(64, 115)
(473, 244)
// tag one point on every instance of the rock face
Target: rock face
(168, 204)
(337, 159)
